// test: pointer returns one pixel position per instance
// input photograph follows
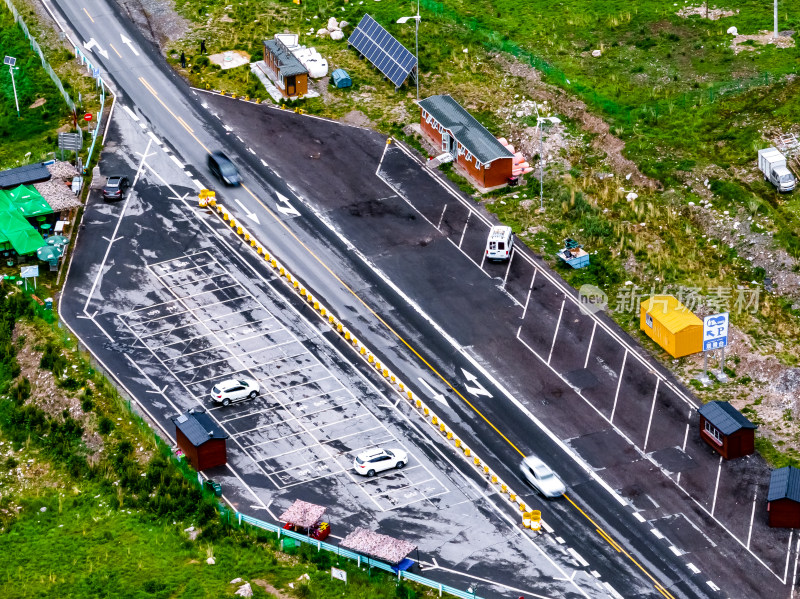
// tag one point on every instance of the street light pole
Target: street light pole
(14, 85)
(11, 62)
(775, 32)
(416, 18)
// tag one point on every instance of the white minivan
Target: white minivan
(499, 243)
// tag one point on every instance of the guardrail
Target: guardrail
(358, 558)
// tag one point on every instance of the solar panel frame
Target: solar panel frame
(380, 47)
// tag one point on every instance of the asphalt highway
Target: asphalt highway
(398, 256)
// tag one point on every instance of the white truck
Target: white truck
(773, 164)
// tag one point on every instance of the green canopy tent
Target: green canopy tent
(29, 201)
(17, 232)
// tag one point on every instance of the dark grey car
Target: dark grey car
(223, 169)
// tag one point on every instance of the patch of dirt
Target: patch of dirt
(357, 118)
(48, 396)
(713, 14)
(573, 108)
(39, 102)
(763, 38)
(156, 20)
(271, 589)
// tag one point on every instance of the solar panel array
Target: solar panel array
(381, 49)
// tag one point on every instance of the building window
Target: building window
(713, 432)
(424, 114)
(488, 166)
(469, 156)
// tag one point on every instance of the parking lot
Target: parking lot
(649, 420)
(305, 424)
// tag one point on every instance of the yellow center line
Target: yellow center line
(175, 116)
(88, 15)
(606, 536)
(115, 50)
(369, 308)
(609, 540)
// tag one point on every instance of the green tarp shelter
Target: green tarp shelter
(15, 231)
(29, 201)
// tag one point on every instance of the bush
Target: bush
(105, 426)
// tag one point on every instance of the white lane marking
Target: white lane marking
(264, 163)
(693, 568)
(560, 541)
(251, 215)
(128, 43)
(188, 173)
(176, 161)
(788, 555)
(752, 517)
(508, 268)
(589, 348)
(528, 297)
(712, 585)
(595, 573)
(130, 113)
(142, 125)
(619, 384)
(675, 550)
(613, 591)
(476, 390)
(114, 234)
(251, 151)
(555, 334)
(639, 517)
(578, 557)
(657, 533)
(716, 485)
(198, 184)
(154, 138)
(464, 232)
(650, 419)
(437, 396)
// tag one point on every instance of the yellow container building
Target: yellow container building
(672, 325)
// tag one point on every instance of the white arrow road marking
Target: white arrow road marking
(92, 43)
(128, 43)
(157, 391)
(437, 396)
(288, 209)
(249, 214)
(479, 389)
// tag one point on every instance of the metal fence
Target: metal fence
(356, 557)
(35, 47)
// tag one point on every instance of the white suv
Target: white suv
(377, 460)
(230, 390)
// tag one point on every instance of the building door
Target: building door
(291, 86)
(449, 144)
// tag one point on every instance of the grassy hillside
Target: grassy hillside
(93, 504)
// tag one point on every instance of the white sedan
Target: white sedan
(541, 477)
(373, 461)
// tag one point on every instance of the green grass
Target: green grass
(80, 522)
(33, 135)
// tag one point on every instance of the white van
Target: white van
(499, 243)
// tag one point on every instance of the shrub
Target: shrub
(106, 425)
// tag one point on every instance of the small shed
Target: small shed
(290, 74)
(202, 441)
(672, 325)
(478, 153)
(783, 498)
(726, 430)
(340, 78)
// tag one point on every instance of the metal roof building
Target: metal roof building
(726, 430)
(24, 175)
(783, 498)
(448, 126)
(201, 440)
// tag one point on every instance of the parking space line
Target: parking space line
(464, 231)
(589, 349)
(752, 518)
(249, 353)
(619, 384)
(508, 268)
(650, 419)
(189, 339)
(441, 218)
(296, 418)
(716, 486)
(555, 334)
(528, 297)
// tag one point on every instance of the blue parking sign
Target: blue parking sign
(715, 331)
